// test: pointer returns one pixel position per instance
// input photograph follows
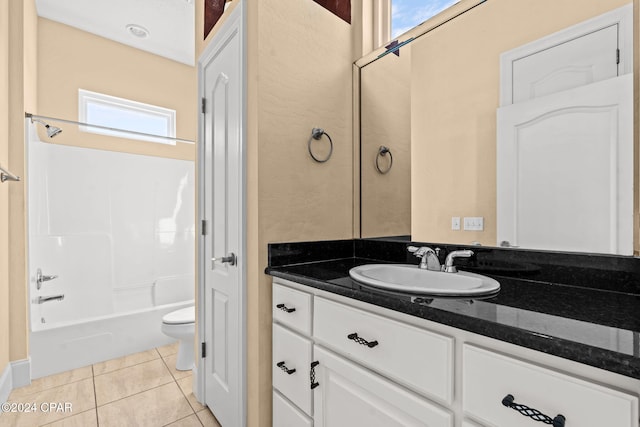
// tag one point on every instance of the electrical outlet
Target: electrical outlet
(455, 223)
(474, 223)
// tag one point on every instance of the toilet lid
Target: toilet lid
(184, 315)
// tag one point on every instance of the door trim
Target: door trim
(236, 21)
(623, 16)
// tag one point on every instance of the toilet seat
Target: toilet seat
(180, 317)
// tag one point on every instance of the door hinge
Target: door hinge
(617, 56)
(204, 227)
(204, 105)
(203, 350)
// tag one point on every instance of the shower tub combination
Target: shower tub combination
(111, 250)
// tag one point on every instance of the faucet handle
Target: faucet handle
(448, 263)
(413, 249)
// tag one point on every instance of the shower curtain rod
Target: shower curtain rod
(171, 138)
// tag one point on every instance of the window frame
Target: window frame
(86, 98)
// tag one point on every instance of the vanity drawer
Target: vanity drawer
(292, 308)
(292, 351)
(412, 356)
(488, 377)
(285, 414)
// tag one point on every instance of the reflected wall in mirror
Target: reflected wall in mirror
(386, 122)
(435, 106)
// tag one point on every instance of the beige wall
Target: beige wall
(4, 188)
(454, 102)
(304, 59)
(22, 40)
(70, 59)
(385, 120)
(298, 77)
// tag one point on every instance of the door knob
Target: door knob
(41, 278)
(229, 259)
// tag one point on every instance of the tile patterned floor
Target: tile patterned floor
(139, 390)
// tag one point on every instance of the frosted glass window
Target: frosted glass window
(119, 113)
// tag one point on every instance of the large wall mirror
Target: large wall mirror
(514, 114)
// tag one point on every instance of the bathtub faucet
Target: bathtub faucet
(41, 300)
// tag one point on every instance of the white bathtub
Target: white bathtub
(71, 345)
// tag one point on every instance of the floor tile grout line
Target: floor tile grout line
(170, 371)
(124, 367)
(180, 419)
(95, 395)
(181, 390)
(139, 392)
(64, 418)
(172, 379)
(55, 386)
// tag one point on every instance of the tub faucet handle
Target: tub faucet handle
(41, 278)
(42, 300)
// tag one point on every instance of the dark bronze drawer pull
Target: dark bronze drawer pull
(354, 337)
(284, 308)
(534, 414)
(312, 375)
(282, 366)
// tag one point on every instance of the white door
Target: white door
(591, 51)
(348, 395)
(222, 255)
(565, 170)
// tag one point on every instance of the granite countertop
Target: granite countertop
(595, 326)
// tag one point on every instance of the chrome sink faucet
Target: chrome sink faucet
(448, 263)
(429, 257)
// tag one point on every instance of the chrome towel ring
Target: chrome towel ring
(382, 152)
(316, 133)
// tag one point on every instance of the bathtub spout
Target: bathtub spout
(41, 300)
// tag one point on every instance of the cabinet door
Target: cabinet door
(349, 395)
(285, 414)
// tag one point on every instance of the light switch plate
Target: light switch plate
(474, 223)
(455, 223)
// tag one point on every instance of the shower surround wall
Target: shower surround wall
(118, 231)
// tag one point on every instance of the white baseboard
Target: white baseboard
(21, 372)
(5, 383)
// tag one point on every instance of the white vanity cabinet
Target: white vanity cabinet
(376, 367)
(350, 390)
(489, 377)
(351, 395)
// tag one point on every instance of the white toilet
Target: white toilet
(181, 324)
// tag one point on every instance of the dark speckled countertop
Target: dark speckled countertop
(584, 308)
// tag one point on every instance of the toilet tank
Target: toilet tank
(169, 290)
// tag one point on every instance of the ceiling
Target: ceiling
(170, 23)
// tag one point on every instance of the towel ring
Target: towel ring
(316, 133)
(382, 152)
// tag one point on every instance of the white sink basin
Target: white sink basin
(411, 279)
